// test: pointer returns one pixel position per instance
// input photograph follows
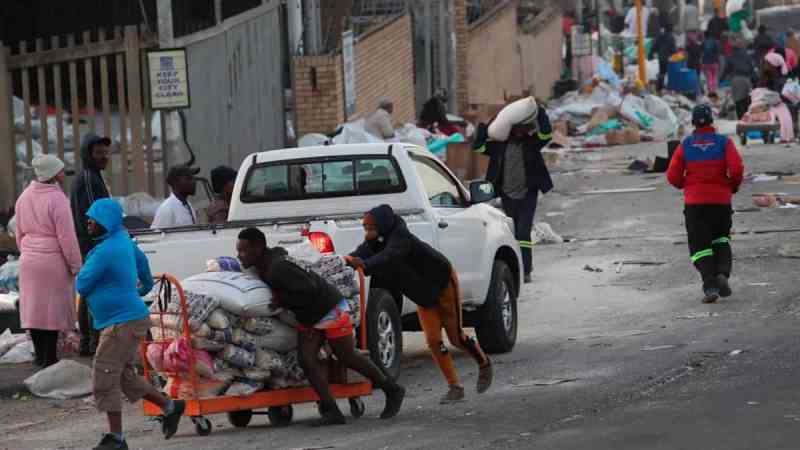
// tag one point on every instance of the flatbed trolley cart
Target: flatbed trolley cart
(278, 403)
(769, 130)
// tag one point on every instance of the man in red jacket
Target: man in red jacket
(708, 168)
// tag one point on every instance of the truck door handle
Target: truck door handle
(443, 225)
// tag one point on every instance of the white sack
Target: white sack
(63, 380)
(20, 353)
(521, 111)
(239, 293)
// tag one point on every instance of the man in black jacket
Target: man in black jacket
(519, 173)
(88, 187)
(323, 316)
(664, 47)
(405, 265)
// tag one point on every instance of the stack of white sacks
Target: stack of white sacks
(240, 340)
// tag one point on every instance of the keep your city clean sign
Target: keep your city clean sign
(169, 79)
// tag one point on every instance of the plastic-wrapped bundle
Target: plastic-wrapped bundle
(256, 374)
(294, 370)
(224, 336)
(218, 320)
(244, 388)
(206, 344)
(223, 264)
(335, 271)
(239, 357)
(270, 360)
(198, 306)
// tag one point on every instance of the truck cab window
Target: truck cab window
(442, 189)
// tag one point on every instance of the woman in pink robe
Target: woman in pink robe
(50, 259)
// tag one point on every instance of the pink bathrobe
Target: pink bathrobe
(50, 258)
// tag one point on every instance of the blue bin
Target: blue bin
(682, 79)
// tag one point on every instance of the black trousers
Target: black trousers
(709, 229)
(741, 107)
(45, 344)
(89, 336)
(522, 211)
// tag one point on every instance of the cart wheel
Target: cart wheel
(357, 407)
(280, 416)
(240, 419)
(202, 425)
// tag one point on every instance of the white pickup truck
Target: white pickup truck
(321, 193)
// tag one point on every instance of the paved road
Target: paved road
(605, 360)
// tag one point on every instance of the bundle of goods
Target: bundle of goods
(240, 341)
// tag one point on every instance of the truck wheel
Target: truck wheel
(384, 332)
(497, 326)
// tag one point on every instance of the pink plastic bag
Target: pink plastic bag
(175, 357)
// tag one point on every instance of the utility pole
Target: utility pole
(640, 39)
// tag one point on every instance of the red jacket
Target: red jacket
(707, 167)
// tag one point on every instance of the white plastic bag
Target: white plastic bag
(544, 234)
(791, 90)
(20, 353)
(354, 133)
(633, 108)
(521, 111)
(63, 380)
(8, 303)
(411, 134)
(140, 204)
(241, 294)
(9, 276)
(312, 140)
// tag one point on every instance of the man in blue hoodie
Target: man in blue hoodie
(108, 282)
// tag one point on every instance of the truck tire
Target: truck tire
(497, 325)
(384, 332)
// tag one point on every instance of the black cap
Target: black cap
(176, 172)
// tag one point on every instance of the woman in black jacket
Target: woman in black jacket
(402, 263)
(323, 316)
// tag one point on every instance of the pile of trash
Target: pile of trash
(15, 348)
(354, 133)
(240, 341)
(600, 115)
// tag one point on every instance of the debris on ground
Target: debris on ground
(590, 268)
(776, 200)
(657, 347)
(543, 234)
(545, 382)
(790, 250)
(63, 380)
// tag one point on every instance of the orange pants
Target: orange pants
(447, 314)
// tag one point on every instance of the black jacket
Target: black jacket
(739, 64)
(302, 292)
(716, 26)
(402, 263)
(536, 173)
(86, 189)
(664, 46)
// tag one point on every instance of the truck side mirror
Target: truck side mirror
(481, 192)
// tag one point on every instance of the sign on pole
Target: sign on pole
(349, 68)
(169, 79)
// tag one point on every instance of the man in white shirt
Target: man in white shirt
(176, 210)
(630, 21)
(379, 123)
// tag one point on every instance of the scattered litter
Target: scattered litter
(543, 234)
(735, 352)
(761, 178)
(657, 347)
(555, 214)
(525, 434)
(545, 382)
(790, 250)
(759, 284)
(753, 403)
(702, 315)
(589, 268)
(618, 191)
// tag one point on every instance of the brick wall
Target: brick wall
(385, 68)
(318, 90)
(502, 62)
(462, 51)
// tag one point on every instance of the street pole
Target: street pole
(640, 39)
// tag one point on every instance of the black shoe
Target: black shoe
(711, 294)
(331, 415)
(394, 400)
(528, 279)
(109, 442)
(724, 286)
(170, 422)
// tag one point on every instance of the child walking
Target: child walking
(708, 168)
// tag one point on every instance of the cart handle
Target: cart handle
(362, 298)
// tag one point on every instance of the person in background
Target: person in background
(379, 123)
(434, 118)
(709, 170)
(176, 211)
(108, 281)
(631, 22)
(50, 259)
(717, 25)
(711, 57)
(741, 72)
(223, 179)
(762, 43)
(567, 22)
(401, 262)
(664, 46)
(691, 20)
(88, 187)
(323, 316)
(518, 172)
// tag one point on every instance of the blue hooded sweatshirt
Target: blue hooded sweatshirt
(108, 279)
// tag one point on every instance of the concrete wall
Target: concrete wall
(384, 68)
(502, 62)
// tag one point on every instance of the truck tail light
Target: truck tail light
(321, 241)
